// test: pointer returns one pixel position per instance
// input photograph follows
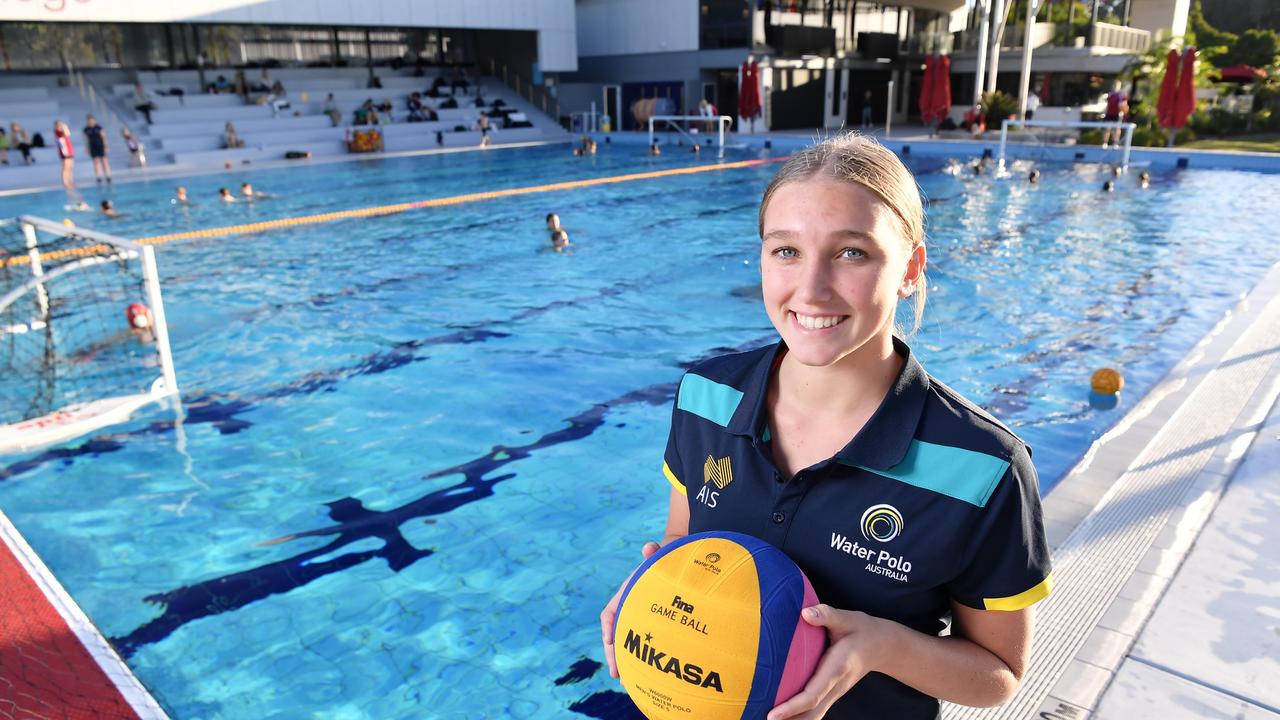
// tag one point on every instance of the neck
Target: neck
(855, 384)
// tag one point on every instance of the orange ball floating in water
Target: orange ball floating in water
(1107, 381)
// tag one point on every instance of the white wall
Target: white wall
(623, 27)
(553, 19)
(1156, 15)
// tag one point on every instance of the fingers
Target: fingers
(607, 617)
(610, 614)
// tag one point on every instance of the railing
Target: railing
(1106, 35)
(1120, 37)
(98, 103)
(535, 94)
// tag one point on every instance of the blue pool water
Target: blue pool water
(419, 452)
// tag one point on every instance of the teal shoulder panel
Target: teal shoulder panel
(708, 399)
(962, 474)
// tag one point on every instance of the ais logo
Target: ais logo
(718, 473)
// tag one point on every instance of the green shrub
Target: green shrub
(1092, 136)
(998, 107)
(1147, 136)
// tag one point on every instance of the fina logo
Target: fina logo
(881, 523)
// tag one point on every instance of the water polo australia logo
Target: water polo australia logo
(881, 523)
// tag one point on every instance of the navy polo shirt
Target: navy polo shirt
(934, 500)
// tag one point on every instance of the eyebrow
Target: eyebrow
(849, 234)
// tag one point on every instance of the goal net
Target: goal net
(83, 339)
(1047, 134)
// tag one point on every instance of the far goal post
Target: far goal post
(721, 122)
(1124, 129)
(83, 337)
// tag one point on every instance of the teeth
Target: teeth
(817, 322)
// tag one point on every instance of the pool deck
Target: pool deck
(53, 661)
(1166, 542)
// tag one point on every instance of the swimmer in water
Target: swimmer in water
(1144, 179)
(109, 210)
(1034, 177)
(249, 193)
(560, 240)
(1108, 186)
(225, 195)
(553, 222)
(180, 196)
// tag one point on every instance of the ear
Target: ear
(914, 274)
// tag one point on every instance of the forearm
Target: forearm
(952, 668)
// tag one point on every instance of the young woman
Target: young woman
(67, 153)
(97, 141)
(903, 503)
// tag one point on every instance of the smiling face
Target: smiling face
(833, 265)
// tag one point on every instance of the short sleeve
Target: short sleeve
(1008, 563)
(671, 466)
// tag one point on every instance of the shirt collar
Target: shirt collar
(882, 443)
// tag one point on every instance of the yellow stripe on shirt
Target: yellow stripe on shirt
(1024, 599)
(671, 478)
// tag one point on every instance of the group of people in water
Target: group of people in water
(180, 198)
(1033, 177)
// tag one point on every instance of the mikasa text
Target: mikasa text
(687, 672)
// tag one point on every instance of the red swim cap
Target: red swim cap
(138, 315)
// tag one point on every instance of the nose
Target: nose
(814, 282)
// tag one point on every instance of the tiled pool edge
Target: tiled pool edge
(1075, 657)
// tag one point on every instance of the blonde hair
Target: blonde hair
(854, 158)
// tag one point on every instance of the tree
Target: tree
(1257, 48)
(1212, 42)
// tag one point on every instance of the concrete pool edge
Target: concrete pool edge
(1125, 518)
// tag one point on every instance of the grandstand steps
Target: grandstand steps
(189, 130)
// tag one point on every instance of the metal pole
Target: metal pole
(1004, 137)
(888, 115)
(724, 119)
(650, 131)
(37, 270)
(1128, 144)
(997, 33)
(983, 38)
(157, 314)
(1025, 83)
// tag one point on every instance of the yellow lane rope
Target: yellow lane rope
(404, 207)
(441, 202)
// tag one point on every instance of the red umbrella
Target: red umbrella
(1168, 91)
(941, 101)
(926, 90)
(748, 97)
(1185, 99)
(1242, 73)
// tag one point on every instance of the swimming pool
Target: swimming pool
(419, 451)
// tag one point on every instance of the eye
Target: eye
(852, 254)
(785, 253)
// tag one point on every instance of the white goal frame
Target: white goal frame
(721, 121)
(1126, 127)
(71, 421)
